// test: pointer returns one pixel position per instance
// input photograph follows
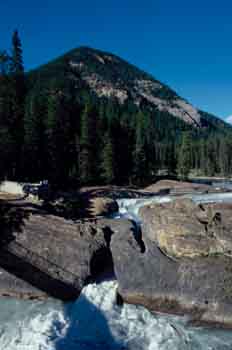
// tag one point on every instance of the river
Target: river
(96, 322)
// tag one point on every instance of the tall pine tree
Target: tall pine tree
(35, 145)
(18, 92)
(6, 142)
(89, 146)
(60, 145)
(140, 156)
(108, 164)
(184, 156)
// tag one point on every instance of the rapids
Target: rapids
(96, 322)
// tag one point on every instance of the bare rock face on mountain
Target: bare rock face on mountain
(109, 77)
(181, 264)
(128, 82)
(56, 257)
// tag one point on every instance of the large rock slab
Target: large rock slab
(13, 286)
(179, 278)
(183, 229)
(56, 257)
(178, 187)
(102, 206)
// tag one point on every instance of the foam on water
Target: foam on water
(27, 325)
(95, 322)
(129, 208)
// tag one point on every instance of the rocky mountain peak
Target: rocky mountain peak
(111, 77)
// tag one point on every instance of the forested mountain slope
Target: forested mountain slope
(109, 76)
(89, 117)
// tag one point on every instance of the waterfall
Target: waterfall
(96, 322)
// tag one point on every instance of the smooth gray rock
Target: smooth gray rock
(57, 256)
(200, 287)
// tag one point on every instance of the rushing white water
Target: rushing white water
(96, 322)
(227, 184)
(129, 208)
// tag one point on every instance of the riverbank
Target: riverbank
(57, 256)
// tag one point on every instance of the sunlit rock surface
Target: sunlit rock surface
(95, 322)
(183, 229)
(178, 187)
(181, 263)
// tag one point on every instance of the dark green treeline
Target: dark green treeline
(56, 129)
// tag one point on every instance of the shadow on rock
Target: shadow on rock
(25, 264)
(11, 221)
(38, 276)
(87, 328)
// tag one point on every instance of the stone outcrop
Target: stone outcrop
(178, 187)
(113, 192)
(184, 229)
(56, 257)
(101, 206)
(182, 262)
(89, 202)
(179, 262)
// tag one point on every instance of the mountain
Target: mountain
(229, 119)
(89, 118)
(108, 76)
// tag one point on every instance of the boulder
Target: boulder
(84, 207)
(56, 257)
(184, 229)
(178, 187)
(102, 206)
(181, 263)
(110, 191)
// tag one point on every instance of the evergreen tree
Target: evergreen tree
(4, 64)
(210, 161)
(202, 156)
(184, 157)
(6, 142)
(35, 146)
(108, 166)
(58, 129)
(18, 91)
(224, 159)
(171, 159)
(17, 68)
(85, 149)
(89, 146)
(140, 156)
(60, 144)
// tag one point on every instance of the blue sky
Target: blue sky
(184, 43)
